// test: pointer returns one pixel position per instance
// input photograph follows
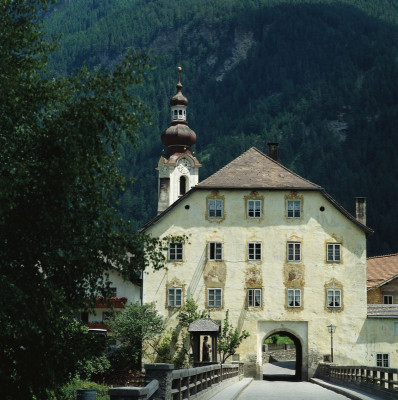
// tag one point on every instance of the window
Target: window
(215, 251)
(293, 208)
(254, 297)
(174, 297)
(294, 297)
(382, 360)
(293, 251)
(182, 185)
(113, 291)
(387, 299)
(254, 251)
(333, 252)
(333, 298)
(175, 252)
(214, 298)
(215, 208)
(253, 208)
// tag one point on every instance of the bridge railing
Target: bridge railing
(167, 383)
(373, 379)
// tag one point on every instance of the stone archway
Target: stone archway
(298, 332)
(298, 356)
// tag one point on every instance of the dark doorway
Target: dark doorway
(282, 357)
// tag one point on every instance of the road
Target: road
(280, 390)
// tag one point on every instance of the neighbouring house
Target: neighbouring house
(124, 292)
(382, 279)
(382, 286)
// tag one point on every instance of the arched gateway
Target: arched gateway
(298, 332)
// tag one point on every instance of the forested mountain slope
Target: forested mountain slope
(319, 77)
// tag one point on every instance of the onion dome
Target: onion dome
(178, 137)
(179, 99)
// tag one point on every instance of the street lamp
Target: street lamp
(332, 329)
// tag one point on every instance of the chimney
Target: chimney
(360, 209)
(273, 150)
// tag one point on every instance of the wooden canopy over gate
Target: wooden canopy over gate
(204, 327)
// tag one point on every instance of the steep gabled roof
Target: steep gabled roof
(255, 170)
(381, 270)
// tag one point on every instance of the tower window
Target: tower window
(183, 185)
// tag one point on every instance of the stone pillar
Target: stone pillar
(161, 372)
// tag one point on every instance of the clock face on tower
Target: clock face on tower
(184, 166)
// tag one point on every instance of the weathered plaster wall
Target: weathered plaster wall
(273, 274)
(380, 335)
(124, 289)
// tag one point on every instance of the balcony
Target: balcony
(112, 302)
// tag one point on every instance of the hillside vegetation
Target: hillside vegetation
(319, 77)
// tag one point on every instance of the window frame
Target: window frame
(173, 303)
(251, 295)
(294, 209)
(257, 211)
(389, 296)
(334, 246)
(254, 256)
(215, 208)
(295, 291)
(293, 260)
(173, 253)
(218, 251)
(382, 359)
(215, 300)
(333, 294)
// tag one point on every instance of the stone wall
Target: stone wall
(279, 355)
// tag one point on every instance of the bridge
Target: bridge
(224, 382)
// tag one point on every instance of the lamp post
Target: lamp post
(332, 329)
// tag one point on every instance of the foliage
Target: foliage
(68, 391)
(189, 313)
(229, 339)
(278, 339)
(174, 346)
(258, 71)
(61, 141)
(135, 327)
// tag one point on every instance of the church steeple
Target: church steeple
(178, 137)
(178, 169)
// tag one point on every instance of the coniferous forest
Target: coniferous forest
(319, 77)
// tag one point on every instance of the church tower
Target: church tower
(178, 169)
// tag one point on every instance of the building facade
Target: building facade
(271, 247)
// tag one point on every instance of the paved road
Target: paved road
(280, 390)
(279, 370)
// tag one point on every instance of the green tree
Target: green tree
(59, 229)
(229, 339)
(135, 327)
